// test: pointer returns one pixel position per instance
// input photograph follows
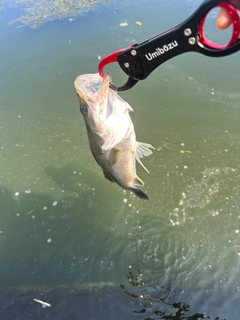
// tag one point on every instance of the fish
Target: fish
(110, 132)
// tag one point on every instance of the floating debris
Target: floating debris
(46, 304)
(38, 12)
(123, 24)
(72, 301)
(185, 151)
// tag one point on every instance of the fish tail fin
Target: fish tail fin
(139, 193)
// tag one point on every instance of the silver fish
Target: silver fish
(111, 132)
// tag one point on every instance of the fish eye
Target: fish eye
(83, 109)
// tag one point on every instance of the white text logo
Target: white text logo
(160, 51)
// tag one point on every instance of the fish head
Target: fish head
(93, 94)
(105, 113)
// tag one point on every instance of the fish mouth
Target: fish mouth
(102, 95)
(104, 87)
(93, 90)
(89, 84)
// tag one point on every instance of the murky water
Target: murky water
(176, 256)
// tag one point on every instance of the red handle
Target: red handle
(110, 58)
(232, 11)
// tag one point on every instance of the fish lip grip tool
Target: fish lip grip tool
(139, 60)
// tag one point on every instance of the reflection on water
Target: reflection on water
(64, 229)
(97, 302)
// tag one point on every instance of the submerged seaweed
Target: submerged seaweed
(41, 11)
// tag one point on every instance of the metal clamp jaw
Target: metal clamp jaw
(139, 60)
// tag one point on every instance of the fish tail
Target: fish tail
(139, 193)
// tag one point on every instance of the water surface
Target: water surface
(63, 225)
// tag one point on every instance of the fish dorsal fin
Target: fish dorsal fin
(138, 182)
(143, 150)
(114, 156)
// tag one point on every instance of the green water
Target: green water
(62, 223)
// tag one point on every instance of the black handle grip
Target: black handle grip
(140, 60)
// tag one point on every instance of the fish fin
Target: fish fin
(107, 177)
(137, 181)
(114, 156)
(140, 162)
(143, 150)
(140, 194)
